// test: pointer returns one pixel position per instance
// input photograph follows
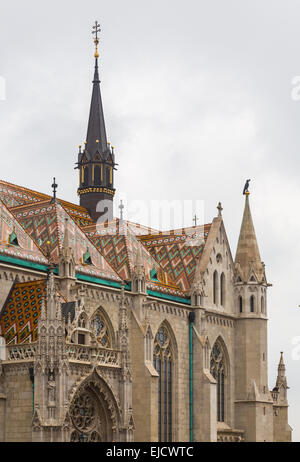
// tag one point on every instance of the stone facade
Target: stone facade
(45, 385)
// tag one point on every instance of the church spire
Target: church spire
(96, 133)
(96, 162)
(247, 257)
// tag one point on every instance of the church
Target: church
(114, 331)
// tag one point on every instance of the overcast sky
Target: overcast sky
(197, 98)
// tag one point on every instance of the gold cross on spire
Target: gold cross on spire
(96, 29)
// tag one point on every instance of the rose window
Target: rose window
(83, 412)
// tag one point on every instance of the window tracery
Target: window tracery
(163, 362)
(217, 369)
(100, 328)
(85, 417)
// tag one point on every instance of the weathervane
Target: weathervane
(96, 29)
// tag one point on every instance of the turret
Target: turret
(250, 278)
(282, 430)
(253, 405)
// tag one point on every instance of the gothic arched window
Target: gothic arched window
(217, 369)
(108, 175)
(85, 176)
(101, 330)
(262, 304)
(163, 362)
(97, 175)
(241, 303)
(252, 303)
(215, 288)
(222, 289)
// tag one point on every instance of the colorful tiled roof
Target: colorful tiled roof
(113, 247)
(25, 248)
(45, 222)
(177, 252)
(119, 245)
(21, 311)
(13, 196)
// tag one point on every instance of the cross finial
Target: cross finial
(195, 220)
(121, 207)
(96, 29)
(54, 187)
(220, 208)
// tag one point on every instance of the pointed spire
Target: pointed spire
(281, 377)
(96, 133)
(139, 267)
(96, 163)
(51, 296)
(247, 255)
(197, 291)
(139, 257)
(139, 273)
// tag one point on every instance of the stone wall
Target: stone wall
(18, 415)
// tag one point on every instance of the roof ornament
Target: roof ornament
(245, 191)
(121, 207)
(87, 259)
(96, 29)
(54, 187)
(195, 219)
(13, 238)
(220, 208)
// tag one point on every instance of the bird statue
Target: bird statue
(246, 187)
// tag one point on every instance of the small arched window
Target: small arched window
(262, 304)
(222, 289)
(215, 288)
(252, 304)
(108, 175)
(85, 176)
(241, 304)
(97, 175)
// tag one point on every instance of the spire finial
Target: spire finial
(220, 208)
(96, 29)
(195, 220)
(54, 187)
(121, 207)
